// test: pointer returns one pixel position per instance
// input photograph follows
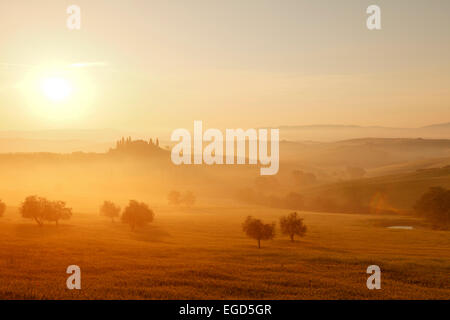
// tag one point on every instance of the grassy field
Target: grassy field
(202, 253)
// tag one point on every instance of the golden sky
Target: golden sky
(163, 64)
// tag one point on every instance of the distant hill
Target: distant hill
(394, 193)
(438, 126)
(73, 140)
(366, 153)
(343, 132)
(63, 141)
(409, 166)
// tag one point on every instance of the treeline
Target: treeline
(41, 210)
(434, 205)
(296, 201)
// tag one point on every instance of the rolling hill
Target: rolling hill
(391, 193)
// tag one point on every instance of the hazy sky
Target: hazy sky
(247, 63)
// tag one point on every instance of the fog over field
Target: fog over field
(209, 149)
(348, 193)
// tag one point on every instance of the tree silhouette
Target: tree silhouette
(32, 209)
(40, 209)
(174, 198)
(56, 210)
(291, 225)
(110, 210)
(2, 208)
(434, 206)
(137, 214)
(256, 229)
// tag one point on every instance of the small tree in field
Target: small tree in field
(33, 208)
(291, 225)
(174, 198)
(110, 210)
(40, 210)
(434, 205)
(256, 229)
(137, 214)
(2, 208)
(56, 210)
(188, 199)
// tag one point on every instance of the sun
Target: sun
(58, 92)
(56, 89)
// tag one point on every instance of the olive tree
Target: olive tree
(32, 208)
(110, 210)
(291, 225)
(434, 205)
(2, 208)
(40, 209)
(56, 210)
(137, 214)
(256, 229)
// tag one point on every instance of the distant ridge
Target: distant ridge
(100, 140)
(439, 125)
(335, 132)
(343, 126)
(319, 126)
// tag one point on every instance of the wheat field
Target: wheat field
(202, 253)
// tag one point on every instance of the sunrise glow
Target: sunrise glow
(56, 89)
